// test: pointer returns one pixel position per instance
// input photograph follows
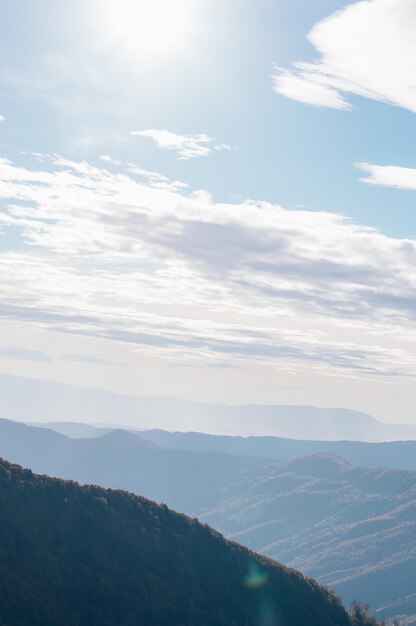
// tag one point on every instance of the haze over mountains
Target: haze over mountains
(353, 528)
(397, 454)
(123, 461)
(45, 401)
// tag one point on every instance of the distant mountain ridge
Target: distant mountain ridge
(119, 459)
(395, 454)
(86, 556)
(28, 399)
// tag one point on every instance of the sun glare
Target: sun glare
(150, 27)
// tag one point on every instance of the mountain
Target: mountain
(352, 528)
(76, 430)
(86, 556)
(45, 401)
(120, 459)
(399, 454)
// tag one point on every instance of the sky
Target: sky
(211, 200)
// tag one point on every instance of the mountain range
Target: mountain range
(44, 401)
(353, 528)
(122, 460)
(399, 454)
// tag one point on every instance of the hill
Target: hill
(352, 528)
(44, 401)
(400, 454)
(119, 459)
(86, 556)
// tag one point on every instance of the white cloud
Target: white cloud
(132, 257)
(368, 49)
(105, 158)
(389, 175)
(186, 146)
(2, 118)
(307, 89)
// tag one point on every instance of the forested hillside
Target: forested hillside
(87, 556)
(352, 528)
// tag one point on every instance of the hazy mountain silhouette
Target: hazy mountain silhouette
(85, 556)
(35, 400)
(400, 454)
(76, 430)
(120, 459)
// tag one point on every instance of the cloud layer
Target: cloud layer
(129, 256)
(366, 49)
(186, 146)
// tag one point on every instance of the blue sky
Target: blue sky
(288, 276)
(50, 52)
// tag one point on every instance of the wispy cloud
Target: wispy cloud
(23, 354)
(389, 176)
(366, 49)
(186, 146)
(128, 257)
(84, 358)
(308, 88)
(2, 118)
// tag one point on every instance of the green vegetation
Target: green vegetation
(87, 556)
(352, 528)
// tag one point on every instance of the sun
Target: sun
(148, 28)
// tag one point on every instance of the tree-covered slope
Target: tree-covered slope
(87, 556)
(352, 528)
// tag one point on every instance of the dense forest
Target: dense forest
(88, 556)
